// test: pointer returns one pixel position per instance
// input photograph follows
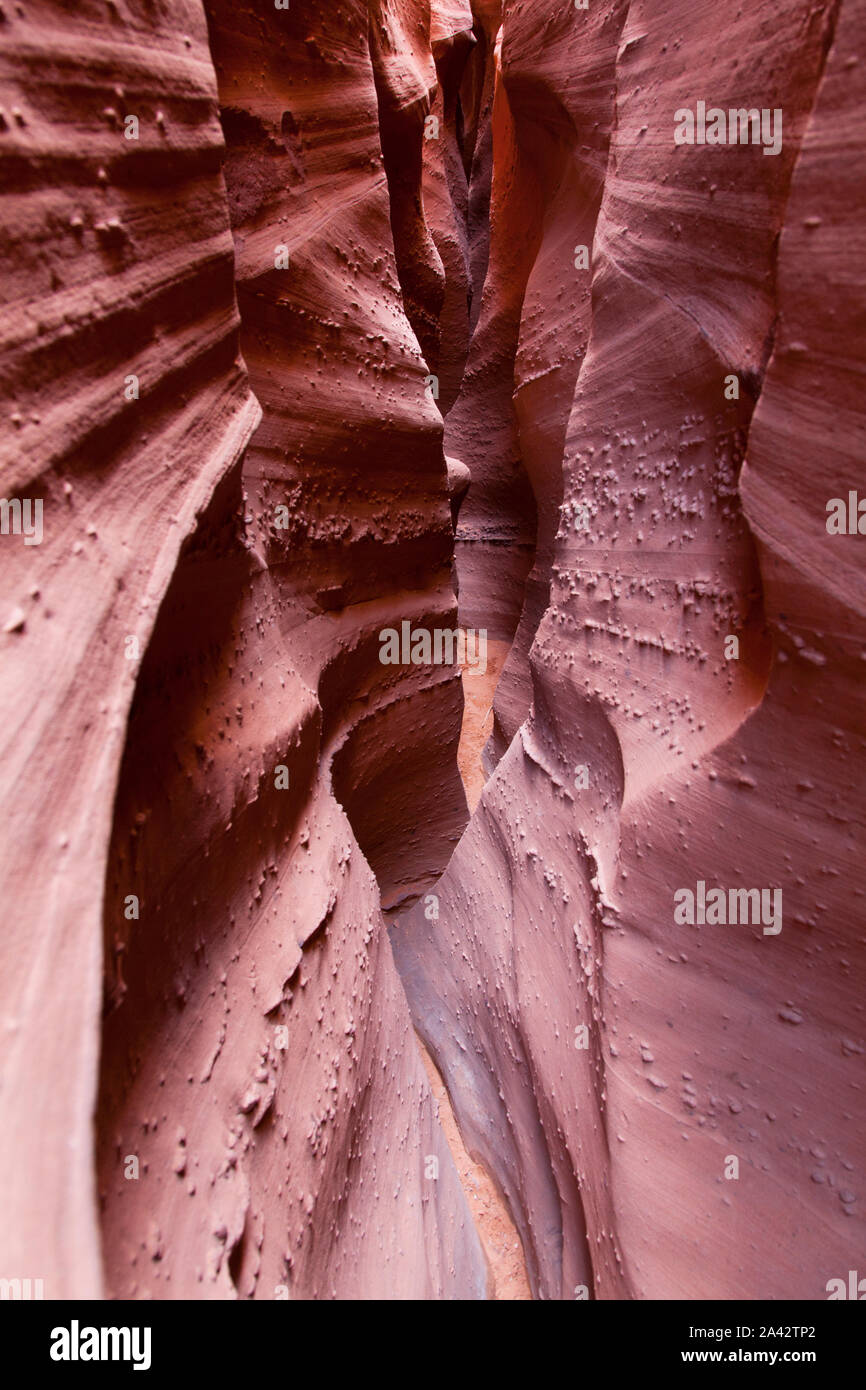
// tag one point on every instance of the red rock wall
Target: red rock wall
(117, 262)
(264, 1121)
(496, 532)
(304, 1158)
(706, 517)
(217, 348)
(445, 191)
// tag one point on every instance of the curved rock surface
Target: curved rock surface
(305, 1156)
(605, 1060)
(313, 317)
(265, 1126)
(125, 406)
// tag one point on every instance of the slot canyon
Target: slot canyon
(434, 765)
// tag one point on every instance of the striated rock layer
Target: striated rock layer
(297, 1147)
(265, 1127)
(125, 406)
(609, 1062)
(496, 533)
(297, 305)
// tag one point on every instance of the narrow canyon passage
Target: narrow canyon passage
(496, 1230)
(434, 726)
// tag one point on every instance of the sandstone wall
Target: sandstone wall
(184, 852)
(347, 260)
(705, 518)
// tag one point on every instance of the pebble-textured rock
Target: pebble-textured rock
(125, 406)
(321, 322)
(265, 1127)
(605, 1060)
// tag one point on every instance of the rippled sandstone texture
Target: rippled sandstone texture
(117, 262)
(705, 518)
(217, 344)
(257, 1059)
